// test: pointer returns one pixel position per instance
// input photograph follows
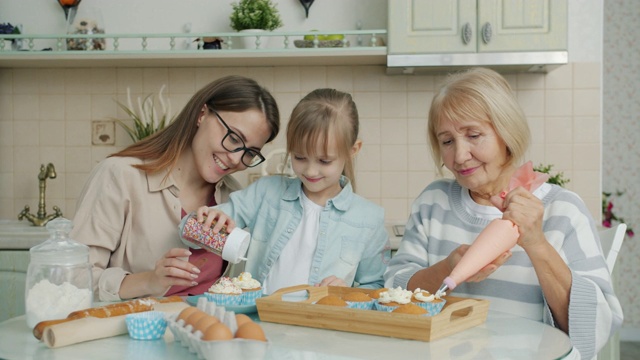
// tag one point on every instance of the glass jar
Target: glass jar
(85, 20)
(58, 277)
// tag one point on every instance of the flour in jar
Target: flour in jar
(47, 301)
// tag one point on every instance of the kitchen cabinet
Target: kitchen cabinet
(13, 275)
(476, 26)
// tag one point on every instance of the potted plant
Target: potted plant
(255, 16)
(147, 120)
(8, 29)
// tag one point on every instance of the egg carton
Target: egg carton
(216, 349)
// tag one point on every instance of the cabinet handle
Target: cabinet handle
(487, 33)
(467, 33)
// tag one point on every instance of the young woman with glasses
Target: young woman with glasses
(130, 208)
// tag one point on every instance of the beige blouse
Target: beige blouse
(129, 219)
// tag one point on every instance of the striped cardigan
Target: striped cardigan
(440, 221)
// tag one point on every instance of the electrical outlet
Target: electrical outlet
(103, 132)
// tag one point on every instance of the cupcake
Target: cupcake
(251, 288)
(376, 293)
(430, 302)
(392, 298)
(224, 292)
(358, 300)
(411, 309)
(332, 300)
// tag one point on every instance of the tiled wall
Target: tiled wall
(46, 115)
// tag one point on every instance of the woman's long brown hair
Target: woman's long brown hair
(231, 93)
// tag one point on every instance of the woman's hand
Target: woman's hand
(170, 270)
(526, 211)
(457, 254)
(207, 215)
(331, 281)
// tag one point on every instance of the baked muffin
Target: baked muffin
(376, 294)
(358, 300)
(251, 288)
(430, 302)
(224, 292)
(392, 298)
(332, 300)
(411, 309)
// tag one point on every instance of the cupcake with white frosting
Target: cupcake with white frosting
(389, 300)
(224, 292)
(433, 303)
(251, 288)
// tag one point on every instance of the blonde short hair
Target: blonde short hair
(480, 94)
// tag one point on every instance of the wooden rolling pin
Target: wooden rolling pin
(111, 310)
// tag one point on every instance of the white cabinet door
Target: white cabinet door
(471, 26)
(431, 26)
(522, 25)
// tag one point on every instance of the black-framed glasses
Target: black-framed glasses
(232, 142)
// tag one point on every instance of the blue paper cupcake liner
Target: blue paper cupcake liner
(382, 307)
(224, 299)
(433, 308)
(363, 305)
(249, 297)
(148, 325)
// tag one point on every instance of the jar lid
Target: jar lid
(59, 249)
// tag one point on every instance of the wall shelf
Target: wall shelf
(162, 50)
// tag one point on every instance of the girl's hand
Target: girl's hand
(170, 270)
(207, 215)
(332, 281)
(526, 211)
(457, 254)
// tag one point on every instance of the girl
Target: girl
(312, 229)
(129, 210)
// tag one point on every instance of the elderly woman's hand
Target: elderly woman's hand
(526, 211)
(457, 254)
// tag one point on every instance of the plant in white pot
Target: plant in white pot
(255, 16)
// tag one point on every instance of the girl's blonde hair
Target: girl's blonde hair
(480, 94)
(325, 113)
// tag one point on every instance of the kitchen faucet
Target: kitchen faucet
(41, 219)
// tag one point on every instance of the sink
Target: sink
(17, 235)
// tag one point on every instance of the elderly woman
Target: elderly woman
(556, 273)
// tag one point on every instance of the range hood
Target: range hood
(507, 62)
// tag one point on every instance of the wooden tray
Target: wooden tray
(458, 314)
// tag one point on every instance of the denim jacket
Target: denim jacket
(352, 241)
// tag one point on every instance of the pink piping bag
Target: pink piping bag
(499, 236)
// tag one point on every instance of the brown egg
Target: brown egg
(242, 319)
(251, 331)
(184, 314)
(195, 317)
(204, 323)
(217, 331)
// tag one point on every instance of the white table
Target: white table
(502, 336)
